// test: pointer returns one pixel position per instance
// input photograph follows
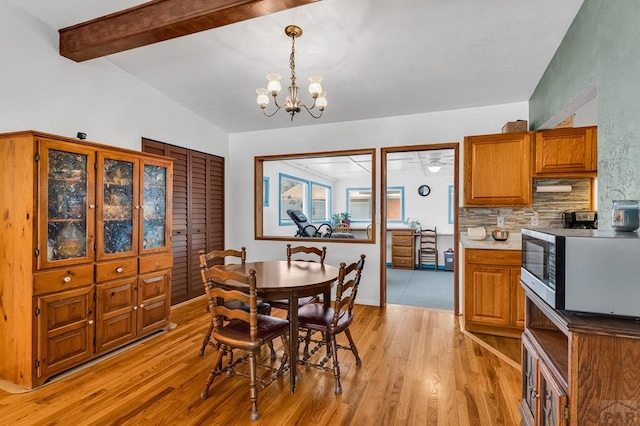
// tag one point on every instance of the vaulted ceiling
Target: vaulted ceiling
(379, 58)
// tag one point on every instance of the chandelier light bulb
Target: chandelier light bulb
(321, 100)
(274, 85)
(315, 85)
(263, 99)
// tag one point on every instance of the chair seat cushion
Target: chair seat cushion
(236, 332)
(317, 317)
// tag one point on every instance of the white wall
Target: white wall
(440, 127)
(41, 90)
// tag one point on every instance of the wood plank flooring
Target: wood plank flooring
(417, 369)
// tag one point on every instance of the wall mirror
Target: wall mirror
(331, 196)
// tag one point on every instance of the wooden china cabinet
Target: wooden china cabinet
(86, 248)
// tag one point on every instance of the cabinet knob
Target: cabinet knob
(135, 308)
(142, 305)
(119, 269)
(138, 207)
(67, 279)
(535, 394)
(92, 206)
(90, 322)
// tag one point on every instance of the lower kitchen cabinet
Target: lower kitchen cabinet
(493, 297)
(578, 369)
(65, 330)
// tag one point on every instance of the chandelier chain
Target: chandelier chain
(292, 61)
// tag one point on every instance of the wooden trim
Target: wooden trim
(383, 223)
(159, 20)
(258, 201)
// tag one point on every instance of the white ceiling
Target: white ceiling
(379, 58)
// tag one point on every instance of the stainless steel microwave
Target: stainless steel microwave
(583, 270)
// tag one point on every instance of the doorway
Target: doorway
(426, 178)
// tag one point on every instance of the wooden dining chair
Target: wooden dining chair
(218, 257)
(428, 251)
(237, 328)
(304, 254)
(331, 321)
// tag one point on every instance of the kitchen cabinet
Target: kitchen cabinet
(492, 292)
(578, 369)
(403, 248)
(566, 153)
(86, 220)
(497, 170)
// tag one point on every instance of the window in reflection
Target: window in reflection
(395, 204)
(320, 202)
(359, 204)
(293, 193)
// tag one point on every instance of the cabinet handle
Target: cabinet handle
(67, 279)
(92, 206)
(119, 269)
(142, 305)
(135, 308)
(90, 322)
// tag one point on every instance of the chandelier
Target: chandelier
(292, 104)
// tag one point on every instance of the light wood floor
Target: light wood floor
(417, 369)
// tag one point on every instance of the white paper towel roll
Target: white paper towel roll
(554, 188)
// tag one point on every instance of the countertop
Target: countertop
(514, 242)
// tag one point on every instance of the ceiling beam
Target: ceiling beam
(160, 20)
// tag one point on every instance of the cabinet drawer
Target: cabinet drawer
(401, 240)
(494, 257)
(156, 262)
(106, 271)
(403, 262)
(62, 279)
(402, 251)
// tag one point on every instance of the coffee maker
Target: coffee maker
(580, 219)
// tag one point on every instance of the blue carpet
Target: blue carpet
(427, 288)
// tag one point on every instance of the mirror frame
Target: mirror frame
(258, 195)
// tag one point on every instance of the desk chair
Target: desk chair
(333, 320)
(236, 328)
(428, 251)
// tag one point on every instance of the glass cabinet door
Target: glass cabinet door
(156, 205)
(118, 203)
(66, 200)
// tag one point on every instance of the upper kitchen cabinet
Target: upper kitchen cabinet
(497, 170)
(566, 152)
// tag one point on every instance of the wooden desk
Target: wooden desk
(290, 280)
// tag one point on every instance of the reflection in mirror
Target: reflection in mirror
(318, 196)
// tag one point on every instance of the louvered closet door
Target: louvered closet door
(198, 213)
(215, 195)
(197, 223)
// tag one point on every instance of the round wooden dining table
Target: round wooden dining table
(289, 280)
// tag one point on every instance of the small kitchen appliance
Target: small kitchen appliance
(580, 219)
(583, 270)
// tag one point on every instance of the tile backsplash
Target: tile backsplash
(548, 205)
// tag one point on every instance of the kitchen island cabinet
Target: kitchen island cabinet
(578, 369)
